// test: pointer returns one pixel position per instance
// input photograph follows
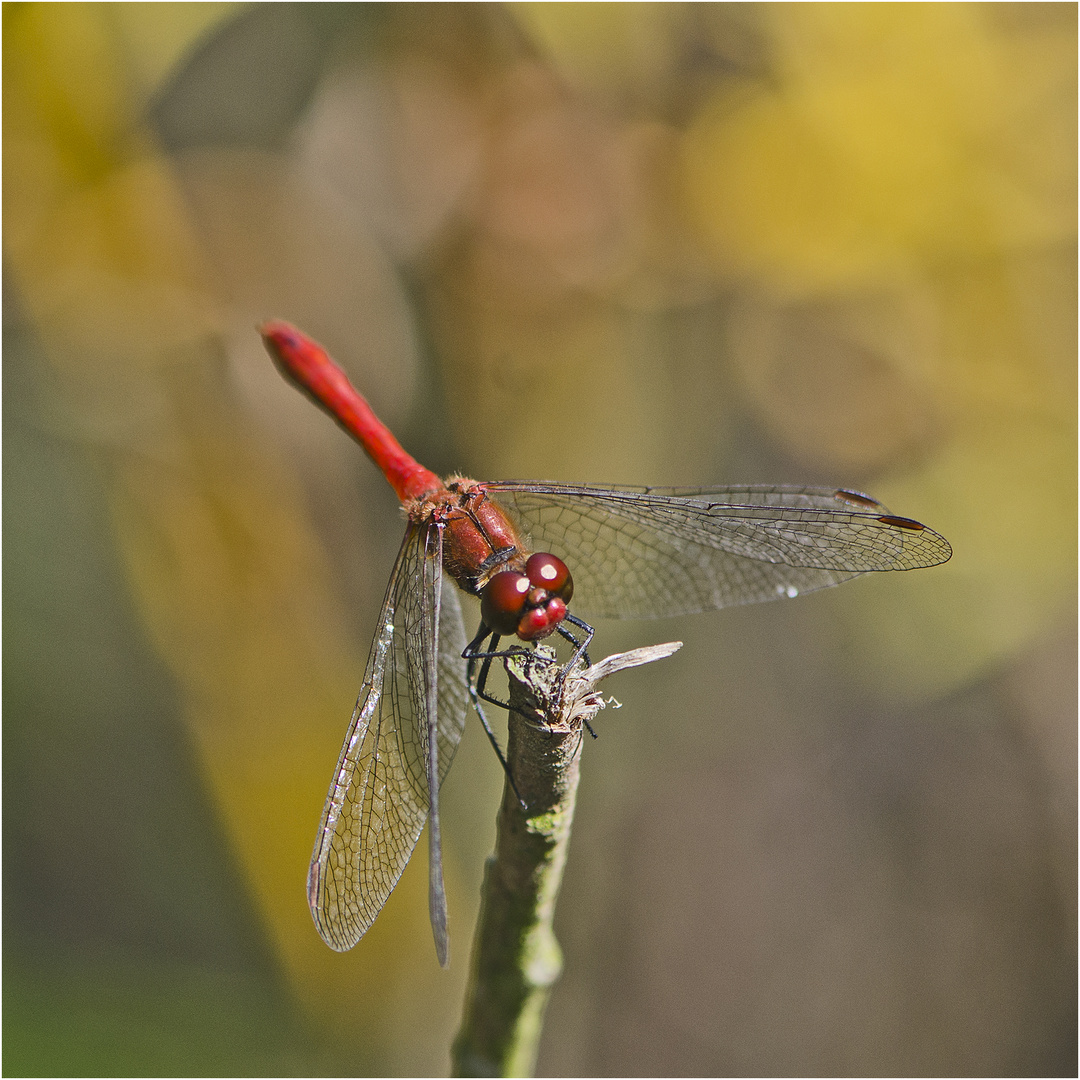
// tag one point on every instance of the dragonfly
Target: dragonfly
(636, 552)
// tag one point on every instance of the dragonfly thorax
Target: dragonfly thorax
(520, 594)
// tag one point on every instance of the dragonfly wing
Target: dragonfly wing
(644, 552)
(379, 797)
(441, 708)
(453, 693)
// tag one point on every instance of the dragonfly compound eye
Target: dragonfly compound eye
(549, 572)
(504, 600)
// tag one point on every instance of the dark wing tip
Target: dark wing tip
(902, 522)
(929, 549)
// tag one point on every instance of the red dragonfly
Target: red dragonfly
(636, 552)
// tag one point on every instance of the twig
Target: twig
(515, 957)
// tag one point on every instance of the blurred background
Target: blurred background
(640, 243)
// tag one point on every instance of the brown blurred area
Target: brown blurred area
(639, 243)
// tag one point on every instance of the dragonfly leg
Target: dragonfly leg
(474, 653)
(477, 692)
(581, 652)
(498, 751)
(581, 647)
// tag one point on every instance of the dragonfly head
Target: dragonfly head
(530, 604)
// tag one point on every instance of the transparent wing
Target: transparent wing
(422, 639)
(644, 552)
(379, 798)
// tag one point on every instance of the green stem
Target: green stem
(516, 959)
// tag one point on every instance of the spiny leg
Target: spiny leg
(477, 691)
(580, 653)
(581, 647)
(473, 653)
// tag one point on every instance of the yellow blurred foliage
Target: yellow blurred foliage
(95, 228)
(230, 579)
(154, 39)
(602, 47)
(889, 137)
